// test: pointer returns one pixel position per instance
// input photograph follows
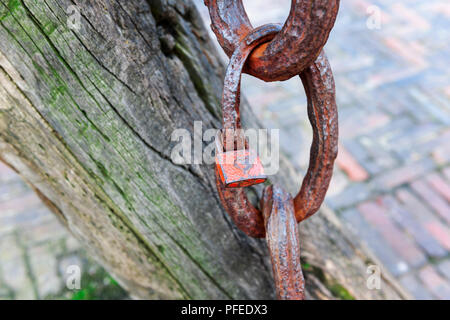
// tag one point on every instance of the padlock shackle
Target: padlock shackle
(238, 142)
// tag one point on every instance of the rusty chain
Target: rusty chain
(293, 49)
(274, 52)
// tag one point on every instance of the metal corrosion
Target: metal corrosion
(274, 52)
(322, 112)
(283, 243)
(294, 48)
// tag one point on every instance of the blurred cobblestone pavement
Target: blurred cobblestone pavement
(36, 250)
(392, 179)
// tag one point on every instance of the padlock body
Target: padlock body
(240, 168)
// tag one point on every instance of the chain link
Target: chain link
(276, 52)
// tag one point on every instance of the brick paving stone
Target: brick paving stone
(403, 50)
(338, 183)
(406, 105)
(446, 173)
(24, 218)
(440, 232)
(441, 154)
(6, 174)
(437, 113)
(435, 283)
(383, 157)
(9, 249)
(16, 277)
(356, 149)
(373, 239)
(46, 231)
(402, 175)
(428, 147)
(373, 167)
(421, 134)
(43, 262)
(393, 127)
(414, 205)
(366, 123)
(296, 146)
(433, 199)
(439, 185)
(353, 194)
(14, 268)
(12, 189)
(444, 268)
(415, 287)
(407, 221)
(396, 238)
(350, 166)
(30, 200)
(427, 219)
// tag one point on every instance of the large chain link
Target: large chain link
(291, 51)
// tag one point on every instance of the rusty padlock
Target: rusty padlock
(240, 167)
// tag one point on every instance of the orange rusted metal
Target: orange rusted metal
(283, 243)
(294, 48)
(275, 53)
(322, 111)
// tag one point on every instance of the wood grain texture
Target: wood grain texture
(86, 118)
